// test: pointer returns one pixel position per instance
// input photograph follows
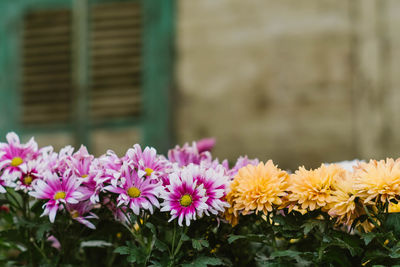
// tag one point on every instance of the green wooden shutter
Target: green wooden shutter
(115, 46)
(129, 68)
(46, 68)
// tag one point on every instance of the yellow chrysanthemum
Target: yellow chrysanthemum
(394, 207)
(257, 188)
(343, 204)
(230, 214)
(378, 180)
(311, 189)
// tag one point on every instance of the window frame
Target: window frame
(158, 20)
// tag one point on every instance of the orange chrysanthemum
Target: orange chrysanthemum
(343, 204)
(230, 214)
(257, 188)
(394, 208)
(378, 180)
(311, 189)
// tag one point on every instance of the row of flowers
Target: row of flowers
(189, 184)
(344, 191)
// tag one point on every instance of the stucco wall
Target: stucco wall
(277, 79)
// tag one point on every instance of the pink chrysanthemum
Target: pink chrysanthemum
(110, 165)
(49, 158)
(184, 198)
(58, 191)
(13, 153)
(61, 161)
(81, 213)
(134, 190)
(81, 164)
(85, 168)
(147, 162)
(54, 242)
(5, 183)
(29, 172)
(205, 144)
(118, 212)
(215, 182)
(240, 163)
(185, 155)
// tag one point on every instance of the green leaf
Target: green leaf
(233, 238)
(310, 225)
(184, 237)
(336, 256)
(285, 253)
(354, 250)
(393, 222)
(137, 254)
(200, 244)
(204, 243)
(151, 227)
(43, 228)
(160, 245)
(122, 250)
(95, 243)
(132, 258)
(155, 264)
(368, 237)
(296, 255)
(375, 254)
(204, 261)
(196, 244)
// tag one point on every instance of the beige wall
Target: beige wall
(288, 80)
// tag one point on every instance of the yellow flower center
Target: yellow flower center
(84, 175)
(148, 171)
(60, 195)
(74, 214)
(16, 161)
(28, 180)
(133, 192)
(186, 200)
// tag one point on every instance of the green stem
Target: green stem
(172, 251)
(136, 237)
(178, 247)
(149, 250)
(128, 217)
(370, 216)
(270, 218)
(40, 251)
(18, 205)
(173, 240)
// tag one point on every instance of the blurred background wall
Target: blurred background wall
(301, 82)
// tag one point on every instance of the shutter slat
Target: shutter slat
(45, 88)
(116, 51)
(61, 58)
(116, 33)
(115, 61)
(122, 22)
(115, 11)
(45, 50)
(42, 69)
(126, 92)
(106, 83)
(116, 42)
